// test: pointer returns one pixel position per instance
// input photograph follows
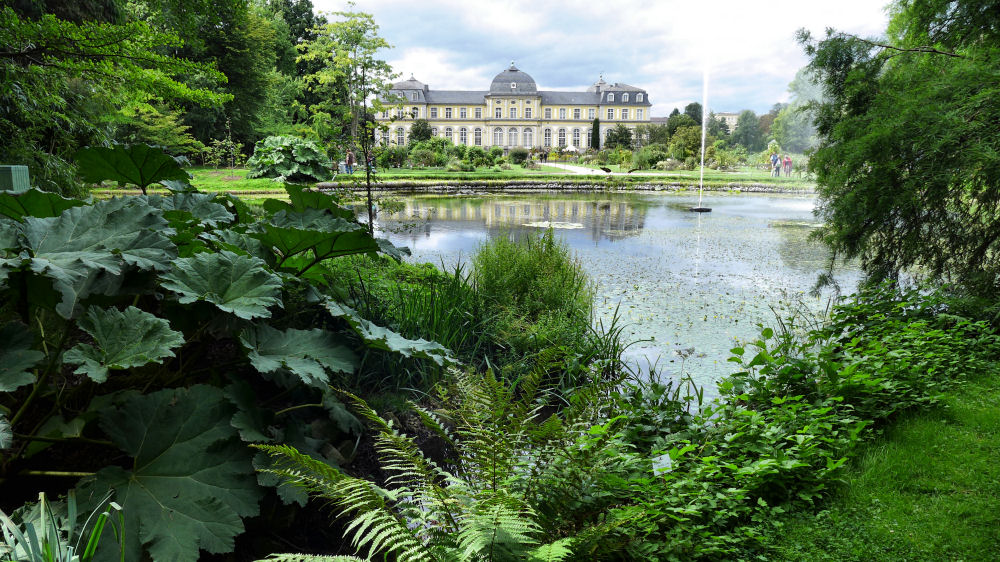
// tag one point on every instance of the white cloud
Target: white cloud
(662, 46)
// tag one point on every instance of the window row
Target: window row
(625, 113)
(611, 97)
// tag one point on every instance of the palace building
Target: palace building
(514, 112)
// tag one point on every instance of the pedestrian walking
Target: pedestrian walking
(349, 161)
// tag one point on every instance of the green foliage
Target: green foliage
(289, 159)
(139, 165)
(679, 120)
(46, 531)
(619, 137)
(694, 111)
(64, 78)
(595, 134)
(125, 339)
(748, 133)
(686, 143)
(420, 130)
(906, 166)
(160, 290)
(518, 155)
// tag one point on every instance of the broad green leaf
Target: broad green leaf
(129, 338)
(17, 357)
(250, 420)
(301, 198)
(138, 164)
(35, 203)
(200, 205)
(191, 479)
(9, 231)
(237, 284)
(391, 250)
(306, 353)
(73, 248)
(6, 433)
(385, 339)
(291, 233)
(239, 243)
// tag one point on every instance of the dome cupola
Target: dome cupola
(513, 81)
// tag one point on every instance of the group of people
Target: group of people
(779, 163)
(350, 160)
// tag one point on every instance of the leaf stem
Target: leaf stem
(64, 439)
(42, 378)
(299, 407)
(57, 473)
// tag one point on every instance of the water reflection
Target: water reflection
(680, 280)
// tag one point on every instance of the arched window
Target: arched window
(400, 136)
(562, 137)
(576, 138)
(547, 138)
(611, 97)
(528, 138)
(385, 137)
(497, 136)
(625, 97)
(448, 133)
(512, 137)
(477, 137)
(463, 136)
(434, 131)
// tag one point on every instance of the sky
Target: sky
(746, 48)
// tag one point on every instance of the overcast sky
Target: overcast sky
(747, 47)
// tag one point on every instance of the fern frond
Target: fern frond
(553, 552)
(309, 558)
(375, 525)
(498, 527)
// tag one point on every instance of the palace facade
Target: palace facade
(514, 112)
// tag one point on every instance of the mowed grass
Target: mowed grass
(928, 490)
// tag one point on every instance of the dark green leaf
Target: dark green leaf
(138, 164)
(237, 284)
(191, 479)
(35, 203)
(16, 357)
(385, 339)
(124, 339)
(199, 205)
(306, 353)
(6, 433)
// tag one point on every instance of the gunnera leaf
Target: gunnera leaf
(306, 353)
(129, 338)
(301, 198)
(237, 284)
(387, 340)
(191, 480)
(200, 205)
(104, 237)
(138, 164)
(35, 203)
(16, 357)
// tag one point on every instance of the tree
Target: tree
(717, 127)
(747, 133)
(619, 137)
(674, 112)
(420, 131)
(348, 49)
(595, 134)
(907, 165)
(686, 142)
(62, 80)
(793, 128)
(693, 110)
(679, 120)
(768, 118)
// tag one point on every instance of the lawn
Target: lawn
(928, 490)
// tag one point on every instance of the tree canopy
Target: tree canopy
(907, 165)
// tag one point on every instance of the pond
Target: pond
(688, 285)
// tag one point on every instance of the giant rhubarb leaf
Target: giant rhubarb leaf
(16, 357)
(306, 353)
(138, 164)
(35, 203)
(124, 339)
(237, 284)
(74, 247)
(301, 198)
(190, 481)
(199, 205)
(387, 340)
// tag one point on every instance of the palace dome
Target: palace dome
(513, 81)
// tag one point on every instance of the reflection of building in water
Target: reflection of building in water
(613, 220)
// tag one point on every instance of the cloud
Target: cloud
(661, 46)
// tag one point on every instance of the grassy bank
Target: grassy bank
(929, 489)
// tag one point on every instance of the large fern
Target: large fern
(481, 505)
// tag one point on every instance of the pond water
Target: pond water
(688, 285)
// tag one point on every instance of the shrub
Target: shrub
(647, 157)
(456, 165)
(289, 159)
(477, 156)
(424, 157)
(392, 157)
(669, 164)
(518, 155)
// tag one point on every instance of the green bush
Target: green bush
(518, 155)
(646, 157)
(392, 157)
(290, 159)
(424, 157)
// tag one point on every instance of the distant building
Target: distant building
(515, 113)
(730, 119)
